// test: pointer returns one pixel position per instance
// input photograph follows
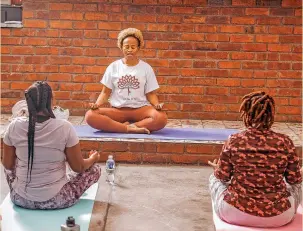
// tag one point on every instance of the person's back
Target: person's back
(35, 152)
(260, 160)
(248, 187)
(49, 169)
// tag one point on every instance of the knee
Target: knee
(92, 118)
(160, 120)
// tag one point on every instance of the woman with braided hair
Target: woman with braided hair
(129, 85)
(257, 180)
(35, 153)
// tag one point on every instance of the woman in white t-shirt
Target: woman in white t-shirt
(35, 153)
(130, 85)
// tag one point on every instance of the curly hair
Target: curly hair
(38, 98)
(257, 110)
(130, 32)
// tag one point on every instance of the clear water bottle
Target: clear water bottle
(110, 169)
(70, 225)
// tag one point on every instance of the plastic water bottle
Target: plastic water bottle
(70, 225)
(110, 169)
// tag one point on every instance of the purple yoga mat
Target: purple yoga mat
(164, 134)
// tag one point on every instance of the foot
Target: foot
(126, 123)
(134, 129)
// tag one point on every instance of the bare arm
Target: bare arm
(153, 99)
(102, 98)
(9, 157)
(76, 161)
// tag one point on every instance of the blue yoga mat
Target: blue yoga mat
(164, 134)
(15, 218)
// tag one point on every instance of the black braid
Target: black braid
(38, 98)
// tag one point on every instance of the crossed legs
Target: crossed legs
(145, 119)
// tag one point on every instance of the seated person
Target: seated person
(263, 167)
(35, 152)
(130, 84)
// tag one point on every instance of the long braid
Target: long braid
(257, 110)
(38, 98)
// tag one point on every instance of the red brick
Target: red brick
(89, 145)
(229, 65)
(110, 25)
(87, 25)
(297, 48)
(241, 38)
(215, 108)
(254, 47)
(60, 42)
(169, 90)
(180, 63)
(22, 68)
(84, 60)
(156, 158)
(182, 27)
(291, 74)
(11, 59)
(5, 68)
(280, 83)
(205, 28)
(289, 110)
(243, 2)
(12, 77)
(186, 54)
(93, 87)
(204, 64)
(85, 78)
(195, 2)
(157, 27)
(228, 82)
(127, 157)
(170, 148)
(27, 14)
(290, 92)
(5, 32)
(217, 20)
(156, 45)
(282, 12)
(192, 90)
(60, 6)
(74, 16)
(297, 66)
(10, 41)
(298, 12)
(217, 37)
(191, 107)
(295, 101)
(291, 3)
(46, 68)
(278, 66)
(253, 65)
(217, 55)
(298, 30)
(257, 11)
(292, 21)
(20, 86)
(61, 24)
(74, 51)
(290, 57)
(216, 91)
(192, 37)
(229, 47)
(189, 159)
(183, 10)
(243, 20)
(109, 8)
(173, 2)
(6, 50)
(85, 7)
(9, 102)
(33, 23)
(253, 82)
(71, 33)
(242, 55)
(232, 11)
(59, 77)
(35, 59)
(71, 69)
(193, 19)
(267, 38)
(269, 20)
(47, 50)
(280, 30)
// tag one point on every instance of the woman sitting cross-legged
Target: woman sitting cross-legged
(35, 152)
(262, 167)
(130, 84)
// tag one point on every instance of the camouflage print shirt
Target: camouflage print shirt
(256, 162)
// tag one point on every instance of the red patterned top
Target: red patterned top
(256, 162)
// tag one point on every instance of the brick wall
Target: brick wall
(206, 53)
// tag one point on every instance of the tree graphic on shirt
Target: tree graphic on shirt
(128, 82)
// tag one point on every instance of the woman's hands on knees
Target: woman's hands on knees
(94, 106)
(94, 155)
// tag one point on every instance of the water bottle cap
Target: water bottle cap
(70, 221)
(110, 157)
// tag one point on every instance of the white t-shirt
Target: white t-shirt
(49, 168)
(129, 84)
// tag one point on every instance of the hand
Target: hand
(214, 164)
(95, 155)
(94, 106)
(159, 106)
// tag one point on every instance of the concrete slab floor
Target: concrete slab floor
(151, 198)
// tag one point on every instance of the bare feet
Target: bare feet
(132, 128)
(126, 123)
